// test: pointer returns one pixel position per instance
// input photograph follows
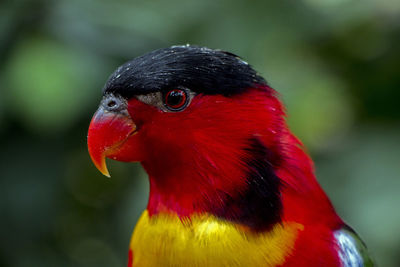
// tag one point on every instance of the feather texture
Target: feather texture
(204, 240)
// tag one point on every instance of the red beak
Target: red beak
(108, 131)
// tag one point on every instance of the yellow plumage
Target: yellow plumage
(204, 240)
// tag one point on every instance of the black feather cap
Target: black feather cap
(200, 69)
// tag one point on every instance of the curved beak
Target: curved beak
(108, 131)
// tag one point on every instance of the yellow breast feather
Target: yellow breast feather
(204, 240)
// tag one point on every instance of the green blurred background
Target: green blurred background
(336, 64)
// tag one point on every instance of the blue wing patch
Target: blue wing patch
(352, 251)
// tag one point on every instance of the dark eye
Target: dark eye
(176, 99)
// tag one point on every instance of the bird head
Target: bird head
(170, 102)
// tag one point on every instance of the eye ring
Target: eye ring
(176, 99)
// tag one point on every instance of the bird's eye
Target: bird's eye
(176, 99)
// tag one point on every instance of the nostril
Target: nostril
(113, 103)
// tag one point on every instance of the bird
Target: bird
(230, 184)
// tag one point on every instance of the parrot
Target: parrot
(230, 184)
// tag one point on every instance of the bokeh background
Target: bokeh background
(336, 64)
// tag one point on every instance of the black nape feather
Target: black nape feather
(200, 69)
(259, 206)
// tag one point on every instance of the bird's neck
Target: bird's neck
(189, 184)
(246, 173)
(250, 191)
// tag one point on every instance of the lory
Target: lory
(230, 185)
